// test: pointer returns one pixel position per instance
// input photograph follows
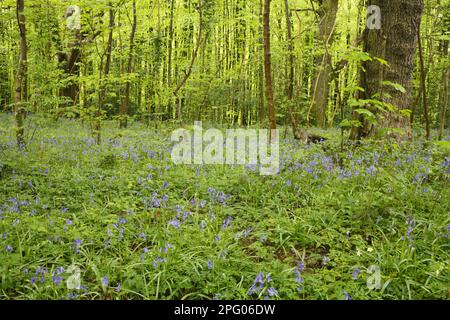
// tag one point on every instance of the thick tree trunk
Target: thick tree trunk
(20, 75)
(70, 64)
(126, 97)
(268, 68)
(321, 82)
(395, 42)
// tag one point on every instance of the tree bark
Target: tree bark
(291, 77)
(395, 42)
(262, 113)
(423, 86)
(443, 101)
(20, 75)
(321, 82)
(104, 76)
(126, 97)
(268, 69)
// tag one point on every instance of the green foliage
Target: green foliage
(124, 211)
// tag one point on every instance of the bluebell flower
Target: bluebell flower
(77, 245)
(347, 296)
(210, 265)
(105, 281)
(175, 223)
(227, 223)
(356, 273)
(301, 266)
(272, 292)
(9, 248)
(72, 296)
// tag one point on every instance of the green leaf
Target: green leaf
(396, 86)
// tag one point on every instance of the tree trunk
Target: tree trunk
(104, 77)
(395, 42)
(268, 69)
(20, 75)
(262, 113)
(170, 53)
(188, 72)
(443, 101)
(423, 86)
(126, 98)
(70, 64)
(321, 82)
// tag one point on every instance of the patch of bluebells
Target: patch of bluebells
(56, 276)
(411, 225)
(219, 196)
(298, 277)
(259, 284)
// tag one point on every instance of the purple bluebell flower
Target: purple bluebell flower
(227, 223)
(118, 287)
(77, 245)
(174, 223)
(347, 296)
(301, 266)
(105, 281)
(210, 265)
(356, 273)
(272, 292)
(9, 248)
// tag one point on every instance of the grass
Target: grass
(136, 226)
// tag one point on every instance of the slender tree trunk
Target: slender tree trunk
(126, 98)
(443, 101)
(262, 113)
(423, 87)
(170, 53)
(321, 82)
(291, 77)
(396, 42)
(268, 68)
(20, 75)
(191, 65)
(104, 77)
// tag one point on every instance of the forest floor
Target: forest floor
(121, 221)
